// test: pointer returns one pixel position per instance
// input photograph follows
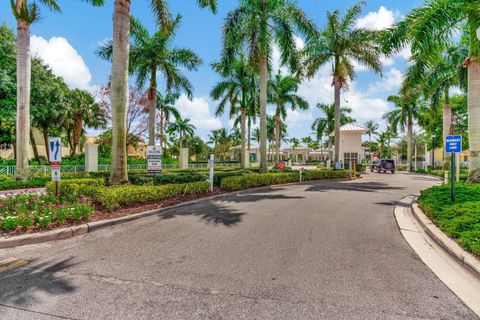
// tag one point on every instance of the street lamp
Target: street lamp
(433, 151)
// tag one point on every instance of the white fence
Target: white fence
(45, 170)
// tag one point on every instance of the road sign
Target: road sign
(281, 165)
(453, 144)
(55, 148)
(154, 159)
(55, 173)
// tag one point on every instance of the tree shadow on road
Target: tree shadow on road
(219, 212)
(21, 286)
(356, 186)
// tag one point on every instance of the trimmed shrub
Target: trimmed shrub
(11, 184)
(114, 197)
(324, 174)
(73, 187)
(257, 180)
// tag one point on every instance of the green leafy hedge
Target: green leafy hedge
(324, 174)
(114, 197)
(11, 184)
(460, 220)
(73, 187)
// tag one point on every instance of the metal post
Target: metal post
(415, 161)
(452, 178)
(211, 164)
(457, 167)
(433, 152)
(56, 192)
(301, 170)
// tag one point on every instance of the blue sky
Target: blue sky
(68, 40)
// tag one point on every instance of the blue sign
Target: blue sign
(453, 144)
(55, 146)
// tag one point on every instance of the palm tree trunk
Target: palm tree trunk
(152, 116)
(263, 113)
(34, 145)
(409, 142)
(474, 118)
(243, 120)
(77, 133)
(119, 84)
(249, 135)
(45, 140)
(338, 86)
(330, 144)
(277, 146)
(23, 95)
(161, 129)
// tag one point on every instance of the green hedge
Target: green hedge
(324, 174)
(11, 184)
(167, 178)
(460, 220)
(73, 187)
(114, 197)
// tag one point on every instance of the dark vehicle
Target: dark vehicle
(383, 165)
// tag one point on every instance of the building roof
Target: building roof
(350, 127)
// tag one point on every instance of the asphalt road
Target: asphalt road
(318, 251)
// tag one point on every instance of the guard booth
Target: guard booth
(351, 143)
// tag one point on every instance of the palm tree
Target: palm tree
(342, 43)
(258, 25)
(282, 93)
(430, 29)
(234, 89)
(372, 128)
(407, 109)
(445, 72)
(119, 77)
(383, 139)
(166, 105)
(154, 54)
(183, 128)
(26, 14)
(294, 142)
(221, 141)
(326, 124)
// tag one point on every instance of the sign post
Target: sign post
(211, 164)
(55, 157)
(154, 159)
(453, 145)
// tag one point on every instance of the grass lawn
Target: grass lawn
(461, 220)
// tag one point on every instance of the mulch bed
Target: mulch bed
(101, 214)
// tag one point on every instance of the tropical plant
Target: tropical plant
(26, 14)
(372, 127)
(282, 93)
(183, 128)
(236, 91)
(430, 29)
(407, 109)
(258, 25)
(294, 143)
(342, 43)
(222, 141)
(119, 77)
(82, 111)
(326, 124)
(166, 106)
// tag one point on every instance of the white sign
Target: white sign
(55, 173)
(154, 159)
(55, 148)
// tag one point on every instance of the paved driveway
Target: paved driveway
(315, 251)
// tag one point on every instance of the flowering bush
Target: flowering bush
(33, 210)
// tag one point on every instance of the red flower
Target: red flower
(57, 206)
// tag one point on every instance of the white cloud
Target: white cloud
(198, 111)
(391, 81)
(381, 19)
(63, 59)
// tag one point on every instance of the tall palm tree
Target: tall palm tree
(430, 29)
(26, 14)
(183, 128)
(445, 72)
(282, 93)
(119, 77)
(234, 89)
(221, 141)
(372, 127)
(154, 55)
(258, 25)
(326, 124)
(166, 106)
(407, 109)
(382, 141)
(342, 43)
(294, 142)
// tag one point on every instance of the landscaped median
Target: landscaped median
(90, 199)
(460, 220)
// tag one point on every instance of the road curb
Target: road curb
(65, 233)
(465, 258)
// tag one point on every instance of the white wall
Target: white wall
(351, 142)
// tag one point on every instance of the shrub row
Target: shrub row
(460, 220)
(309, 175)
(114, 197)
(11, 184)
(73, 187)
